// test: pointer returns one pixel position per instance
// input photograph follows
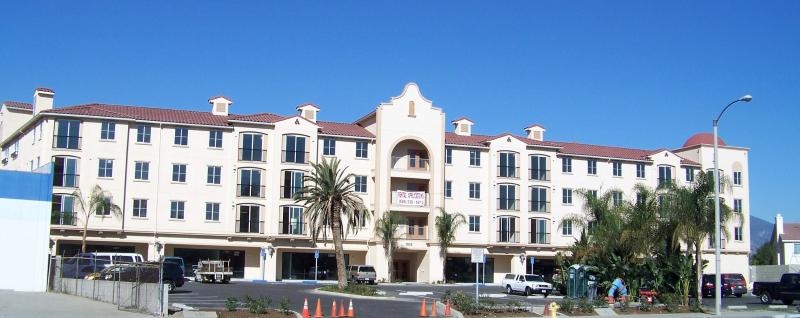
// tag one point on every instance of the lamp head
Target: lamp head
(746, 98)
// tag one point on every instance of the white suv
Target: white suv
(526, 284)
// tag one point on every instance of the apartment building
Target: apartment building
(217, 184)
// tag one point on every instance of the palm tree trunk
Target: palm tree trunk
(336, 228)
(391, 263)
(699, 268)
(83, 240)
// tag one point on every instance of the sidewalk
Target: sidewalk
(47, 305)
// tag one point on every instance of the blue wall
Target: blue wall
(24, 185)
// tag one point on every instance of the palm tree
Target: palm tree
(328, 196)
(446, 226)
(386, 228)
(99, 202)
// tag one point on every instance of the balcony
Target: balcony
(292, 228)
(250, 190)
(412, 232)
(540, 206)
(253, 154)
(507, 236)
(411, 201)
(539, 174)
(67, 142)
(294, 156)
(539, 238)
(255, 227)
(504, 204)
(508, 172)
(62, 218)
(65, 180)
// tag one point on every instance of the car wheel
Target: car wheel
(170, 285)
(527, 291)
(738, 295)
(787, 302)
(509, 290)
(765, 298)
(545, 294)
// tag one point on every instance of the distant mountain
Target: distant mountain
(760, 232)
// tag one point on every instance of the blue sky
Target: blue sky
(639, 74)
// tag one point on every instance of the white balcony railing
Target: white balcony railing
(410, 163)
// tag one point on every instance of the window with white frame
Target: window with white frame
(566, 196)
(292, 220)
(67, 134)
(63, 212)
(140, 208)
(689, 174)
(616, 168)
(215, 138)
(362, 150)
(141, 171)
(539, 199)
(737, 178)
(640, 171)
(474, 223)
(539, 168)
(640, 197)
(591, 166)
(448, 155)
(176, 209)
(616, 198)
(65, 172)
(360, 184)
(737, 233)
(507, 198)
(507, 167)
(251, 147)
(737, 205)
(507, 229)
(591, 194)
(664, 175)
(539, 231)
(474, 190)
(214, 175)
(475, 158)
(107, 130)
(250, 184)
(212, 211)
(181, 136)
(566, 227)
(566, 164)
(249, 219)
(292, 183)
(143, 133)
(178, 172)
(796, 248)
(294, 149)
(328, 147)
(105, 168)
(448, 189)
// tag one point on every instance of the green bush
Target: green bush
(258, 305)
(600, 302)
(645, 306)
(567, 305)
(487, 302)
(285, 304)
(670, 300)
(355, 289)
(231, 303)
(585, 306)
(461, 301)
(694, 305)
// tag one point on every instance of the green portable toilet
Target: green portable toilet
(577, 281)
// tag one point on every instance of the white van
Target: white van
(113, 258)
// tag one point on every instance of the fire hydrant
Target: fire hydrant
(554, 309)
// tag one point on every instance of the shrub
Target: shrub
(231, 303)
(258, 305)
(285, 304)
(645, 306)
(694, 305)
(670, 301)
(487, 302)
(567, 305)
(355, 289)
(600, 303)
(463, 302)
(585, 306)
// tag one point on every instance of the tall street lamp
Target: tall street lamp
(717, 236)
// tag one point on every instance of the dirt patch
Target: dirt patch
(501, 313)
(654, 311)
(271, 313)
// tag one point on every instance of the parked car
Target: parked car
(786, 290)
(527, 284)
(321, 273)
(732, 284)
(80, 267)
(177, 260)
(361, 274)
(172, 274)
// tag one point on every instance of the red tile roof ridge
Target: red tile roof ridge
(20, 105)
(791, 232)
(220, 96)
(45, 89)
(462, 118)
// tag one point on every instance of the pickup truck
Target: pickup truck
(526, 284)
(787, 290)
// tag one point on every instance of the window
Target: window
(566, 227)
(292, 220)
(141, 171)
(797, 248)
(640, 170)
(140, 208)
(737, 205)
(178, 172)
(107, 130)
(539, 169)
(181, 136)
(737, 233)
(508, 165)
(640, 198)
(295, 149)
(474, 223)
(65, 172)
(67, 134)
(328, 147)
(475, 158)
(591, 194)
(566, 164)
(251, 148)
(214, 175)
(474, 190)
(248, 220)
(107, 209)
(448, 155)
(176, 209)
(448, 189)
(62, 212)
(507, 231)
(105, 168)
(616, 198)
(566, 196)
(737, 178)
(292, 183)
(143, 134)
(212, 211)
(616, 168)
(540, 231)
(591, 166)
(507, 197)
(250, 183)
(360, 184)
(664, 175)
(689, 174)
(215, 138)
(362, 150)
(539, 200)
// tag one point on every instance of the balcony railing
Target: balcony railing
(665, 182)
(508, 171)
(507, 236)
(540, 238)
(251, 190)
(508, 204)
(539, 174)
(295, 156)
(289, 192)
(412, 232)
(540, 206)
(410, 198)
(253, 154)
(249, 226)
(66, 180)
(62, 218)
(292, 228)
(410, 163)
(66, 142)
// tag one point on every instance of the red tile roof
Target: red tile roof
(571, 148)
(343, 129)
(220, 96)
(791, 232)
(20, 105)
(45, 89)
(260, 118)
(703, 138)
(462, 118)
(144, 113)
(473, 140)
(534, 125)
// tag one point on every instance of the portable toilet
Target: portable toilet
(577, 281)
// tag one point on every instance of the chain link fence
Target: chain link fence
(139, 287)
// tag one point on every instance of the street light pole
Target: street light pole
(717, 236)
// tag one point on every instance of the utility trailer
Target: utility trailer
(213, 271)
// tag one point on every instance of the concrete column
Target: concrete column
(435, 266)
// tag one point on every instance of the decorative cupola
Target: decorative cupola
(220, 105)
(535, 132)
(308, 111)
(42, 99)
(462, 126)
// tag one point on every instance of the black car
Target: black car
(76, 267)
(172, 274)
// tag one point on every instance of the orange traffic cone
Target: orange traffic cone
(433, 309)
(341, 308)
(351, 313)
(423, 310)
(305, 313)
(546, 310)
(447, 312)
(333, 309)
(318, 311)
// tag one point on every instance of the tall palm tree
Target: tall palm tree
(385, 229)
(98, 202)
(329, 198)
(446, 226)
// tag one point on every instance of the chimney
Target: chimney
(462, 126)
(535, 132)
(778, 226)
(308, 111)
(220, 105)
(42, 99)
